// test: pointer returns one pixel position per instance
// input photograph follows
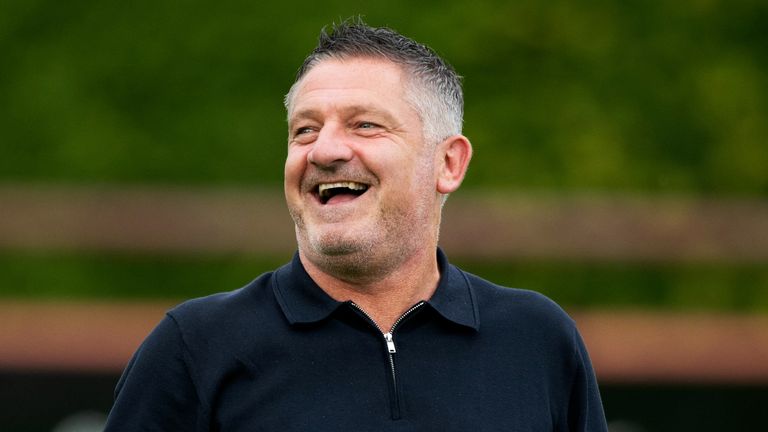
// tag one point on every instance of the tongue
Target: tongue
(340, 198)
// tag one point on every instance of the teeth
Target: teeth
(325, 187)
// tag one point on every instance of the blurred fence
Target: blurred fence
(629, 346)
(482, 225)
(57, 348)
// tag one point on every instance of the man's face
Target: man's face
(359, 179)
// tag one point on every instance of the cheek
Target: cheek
(295, 164)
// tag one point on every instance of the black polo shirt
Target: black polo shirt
(281, 355)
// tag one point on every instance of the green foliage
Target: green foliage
(692, 286)
(689, 287)
(560, 94)
(565, 95)
(57, 276)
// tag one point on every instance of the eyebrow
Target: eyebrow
(350, 111)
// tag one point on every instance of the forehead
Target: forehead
(358, 81)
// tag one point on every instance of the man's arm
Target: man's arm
(156, 391)
(585, 410)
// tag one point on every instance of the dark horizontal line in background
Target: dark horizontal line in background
(626, 347)
(488, 225)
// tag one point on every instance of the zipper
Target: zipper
(391, 350)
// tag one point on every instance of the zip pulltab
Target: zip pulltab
(390, 343)
(388, 338)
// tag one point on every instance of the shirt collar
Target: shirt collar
(300, 298)
(303, 301)
(454, 297)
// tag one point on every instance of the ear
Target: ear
(453, 159)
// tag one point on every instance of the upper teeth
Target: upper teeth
(349, 185)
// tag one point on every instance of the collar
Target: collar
(303, 301)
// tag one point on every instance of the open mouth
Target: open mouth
(340, 191)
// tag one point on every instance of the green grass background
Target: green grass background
(565, 96)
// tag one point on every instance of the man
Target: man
(369, 328)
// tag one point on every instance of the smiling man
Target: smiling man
(369, 328)
(365, 186)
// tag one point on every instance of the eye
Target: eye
(303, 130)
(367, 125)
(367, 128)
(304, 134)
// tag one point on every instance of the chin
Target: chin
(338, 244)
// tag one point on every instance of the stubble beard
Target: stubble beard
(361, 257)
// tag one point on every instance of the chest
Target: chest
(351, 380)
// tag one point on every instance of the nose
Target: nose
(330, 147)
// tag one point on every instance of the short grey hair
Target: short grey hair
(433, 89)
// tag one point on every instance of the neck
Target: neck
(386, 297)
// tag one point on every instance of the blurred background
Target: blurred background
(621, 168)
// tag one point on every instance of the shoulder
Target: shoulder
(514, 307)
(224, 312)
(526, 324)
